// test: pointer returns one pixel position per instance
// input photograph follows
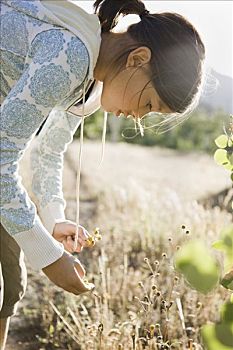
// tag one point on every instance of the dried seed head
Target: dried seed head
(160, 337)
(199, 304)
(90, 241)
(176, 278)
(183, 227)
(114, 331)
(156, 262)
(157, 325)
(187, 232)
(165, 347)
(158, 293)
(177, 247)
(154, 287)
(171, 303)
(146, 259)
(140, 284)
(163, 302)
(97, 231)
(120, 347)
(190, 331)
(169, 239)
(100, 327)
(164, 255)
(152, 330)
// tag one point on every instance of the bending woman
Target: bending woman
(54, 56)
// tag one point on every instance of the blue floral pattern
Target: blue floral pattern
(35, 22)
(12, 168)
(72, 121)
(46, 46)
(9, 152)
(18, 88)
(8, 189)
(41, 68)
(14, 33)
(51, 159)
(77, 58)
(27, 121)
(57, 138)
(5, 89)
(49, 85)
(26, 6)
(37, 181)
(25, 218)
(11, 65)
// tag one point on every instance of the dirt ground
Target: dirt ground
(192, 176)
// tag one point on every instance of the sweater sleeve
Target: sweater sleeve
(47, 165)
(50, 76)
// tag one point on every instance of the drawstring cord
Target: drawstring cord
(104, 137)
(79, 168)
(80, 161)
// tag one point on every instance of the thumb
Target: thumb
(79, 268)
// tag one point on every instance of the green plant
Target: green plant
(202, 271)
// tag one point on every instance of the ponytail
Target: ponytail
(109, 11)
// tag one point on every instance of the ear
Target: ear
(138, 57)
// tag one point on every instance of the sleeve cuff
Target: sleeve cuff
(51, 214)
(40, 248)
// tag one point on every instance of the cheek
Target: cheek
(112, 96)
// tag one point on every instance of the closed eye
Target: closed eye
(149, 105)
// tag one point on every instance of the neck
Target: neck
(111, 45)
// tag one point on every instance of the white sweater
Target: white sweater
(46, 59)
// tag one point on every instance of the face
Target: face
(130, 93)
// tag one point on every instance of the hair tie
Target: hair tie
(144, 13)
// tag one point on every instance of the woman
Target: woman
(55, 56)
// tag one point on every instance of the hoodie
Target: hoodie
(48, 55)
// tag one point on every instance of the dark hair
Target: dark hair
(177, 49)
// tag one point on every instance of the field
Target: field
(140, 198)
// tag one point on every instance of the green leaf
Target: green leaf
(198, 266)
(221, 141)
(219, 245)
(231, 299)
(225, 244)
(212, 336)
(224, 333)
(230, 157)
(227, 312)
(227, 280)
(228, 166)
(51, 329)
(220, 156)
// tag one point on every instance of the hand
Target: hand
(68, 273)
(65, 232)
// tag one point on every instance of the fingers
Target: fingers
(68, 273)
(79, 267)
(83, 236)
(81, 284)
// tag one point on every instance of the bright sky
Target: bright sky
(213, 20)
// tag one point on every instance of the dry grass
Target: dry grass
(140, 301)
